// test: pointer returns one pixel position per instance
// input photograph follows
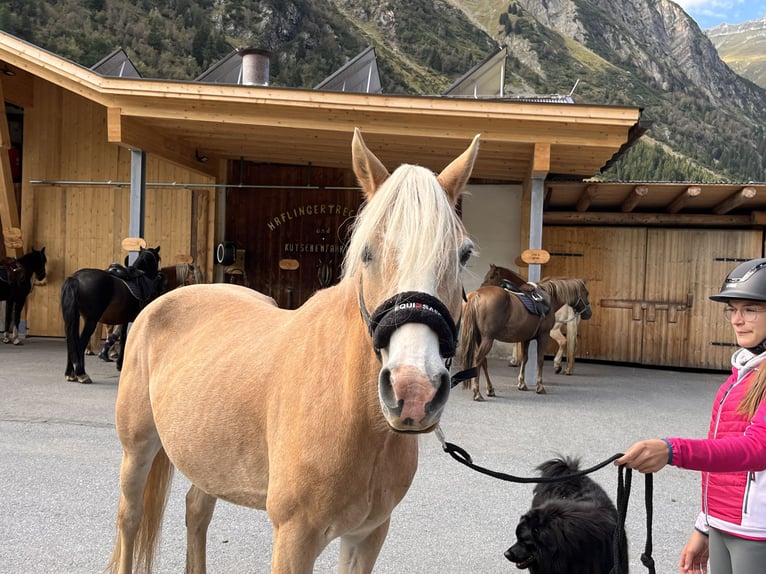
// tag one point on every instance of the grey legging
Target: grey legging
(732, 555)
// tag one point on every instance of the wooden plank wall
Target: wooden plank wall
(83, 226)
(649, 290)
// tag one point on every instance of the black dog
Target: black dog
(570, 528)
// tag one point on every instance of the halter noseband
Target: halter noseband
(410, 307)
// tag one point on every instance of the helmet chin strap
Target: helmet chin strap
(759, 348)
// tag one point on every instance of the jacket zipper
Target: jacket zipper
(746, 501)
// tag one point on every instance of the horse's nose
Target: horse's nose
(412, 400)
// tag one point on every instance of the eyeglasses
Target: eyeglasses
(749, 314)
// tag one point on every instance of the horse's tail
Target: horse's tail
(71, 312)
(156, 494)
(470, 336)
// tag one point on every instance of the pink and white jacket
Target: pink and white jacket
(732, 458)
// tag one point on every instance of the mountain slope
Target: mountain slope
(647, 53)
(743, 48)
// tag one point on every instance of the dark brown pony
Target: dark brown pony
(97, 296)
(492, 313)
(16, 277)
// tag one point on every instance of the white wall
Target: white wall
(492, 215)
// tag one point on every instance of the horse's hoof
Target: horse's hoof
(17, 342)
(84, 379)
(71, 378)
(540, 391)
(567, 372)
(557, 370)
(522, 387)
(104, 356)
(6, 340)
(491, 393)
(513, 363)
(478, 398)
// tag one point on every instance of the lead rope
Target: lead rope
(623, 495)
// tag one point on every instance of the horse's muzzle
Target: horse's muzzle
(411, 400)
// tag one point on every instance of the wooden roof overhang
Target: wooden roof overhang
(655, 204)
(180, 120)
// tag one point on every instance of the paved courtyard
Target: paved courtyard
(60, 457)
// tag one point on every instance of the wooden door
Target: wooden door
(649, 290)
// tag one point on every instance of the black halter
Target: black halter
(410, 307)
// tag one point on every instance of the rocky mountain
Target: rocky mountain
(708, 122)
(743, 48)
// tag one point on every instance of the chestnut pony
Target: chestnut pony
(313, 417)
(492, 313)
(564, 330)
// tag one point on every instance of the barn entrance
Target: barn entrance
(649, 290)
(290, 225)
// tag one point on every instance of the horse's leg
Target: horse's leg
(358, 556)
(571, 344)
(481, 355)
(79, 360)
(490, 388)
(522, 385)
(561, 340)
(513, 360)
(123, 342)
(199, 513)
(18, 305)
(542, 342)
(7, 322)
(296, 547)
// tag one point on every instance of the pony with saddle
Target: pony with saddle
(313, 416)
(563, 332)
(113, 296)
(515, 315)
(16, 277)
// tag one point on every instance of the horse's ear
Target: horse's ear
(368, 169)
(43, 250)
(454, 177)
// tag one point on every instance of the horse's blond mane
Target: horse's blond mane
(566, 290)
(414, 223)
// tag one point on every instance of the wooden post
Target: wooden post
(9, 209)
(734, 200)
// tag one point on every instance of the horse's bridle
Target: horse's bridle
(410, 307)
(582, 304)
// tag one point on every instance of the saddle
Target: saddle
(529, 295)
(141, 287)
(11, 271)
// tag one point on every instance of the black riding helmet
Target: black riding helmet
(746, 281)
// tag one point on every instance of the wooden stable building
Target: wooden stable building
(267, 169)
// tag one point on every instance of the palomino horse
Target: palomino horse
(564, 330)
(492, 313)
(102, 296)
(16, 277)
(313, 416)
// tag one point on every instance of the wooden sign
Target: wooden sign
(289, 264)
(535, 256)
(133, 244)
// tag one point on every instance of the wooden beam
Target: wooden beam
(9, 209)
(583, 202)
(683, 198)
(541, 161)
(648, 219)
(633, 198)
(131, 133)
(734, 200)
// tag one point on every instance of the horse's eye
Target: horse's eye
(465, 252)
(366, 255)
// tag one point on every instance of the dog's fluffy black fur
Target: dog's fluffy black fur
(570, 528)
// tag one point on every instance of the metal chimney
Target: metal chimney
(255, 66)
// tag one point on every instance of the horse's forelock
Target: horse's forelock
(412, 212)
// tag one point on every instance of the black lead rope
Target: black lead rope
(623, 495)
